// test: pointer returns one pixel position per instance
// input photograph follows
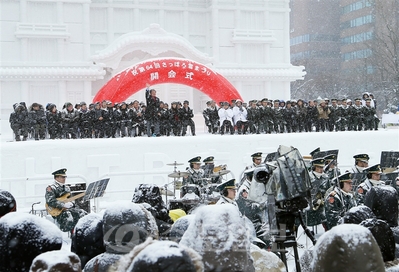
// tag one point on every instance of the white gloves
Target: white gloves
(68, 205)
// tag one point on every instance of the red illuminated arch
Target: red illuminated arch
(167, 70)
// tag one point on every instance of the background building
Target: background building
(66, 50)
(348, 47)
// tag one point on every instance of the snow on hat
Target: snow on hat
(127, 217)
(355, 246)
(7, 203)
(159, 256)
(87, 239)
(23, 237)
(56, 260)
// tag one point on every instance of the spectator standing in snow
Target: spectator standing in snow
(219, 235)
(161, 256)
(19, 122)
(7, 203)
(23, 237)
(56, 260)
(69, 215)
(38, 121)
(125, 225)
(87, 239)
(187, 115)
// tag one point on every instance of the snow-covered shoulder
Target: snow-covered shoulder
(352, 234)
(18, 220)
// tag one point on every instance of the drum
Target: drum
(212, 193)
(190, 188)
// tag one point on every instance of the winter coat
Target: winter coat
(219, 235)
(382, 200)
(56, 260)
(357, 214)
(70, 116)
(239, 114)
(23, 237)
(160, 256)
(324, 112)
(320, 185)
(87, 238)
(225, 115)
(121, 218)
(180, 226)
(187, 114)
(54, 119)
(337, 203)
(7, 203)
(347, 247)
(383, 235)
(19, 118)
(37, 117)
(68, 217)
(153, 108)
(265, 261)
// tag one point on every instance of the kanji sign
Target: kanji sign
(167, 70)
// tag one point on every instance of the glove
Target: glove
(68, 205)
(254, 205)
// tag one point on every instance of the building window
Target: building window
(313, 38)
(358, 38)
(357, 21)
(360, 54)
(356, 6)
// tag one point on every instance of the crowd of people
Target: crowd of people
(231, 235)
(278, 116)
(155, 118)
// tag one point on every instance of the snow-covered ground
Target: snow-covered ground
(26, 167)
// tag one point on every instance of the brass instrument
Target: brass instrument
(219, 168)
(318, 201)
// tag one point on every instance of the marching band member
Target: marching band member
(228, 192)
(196, 174)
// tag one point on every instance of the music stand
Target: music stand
(96, 189)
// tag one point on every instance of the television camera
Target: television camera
(284, 183)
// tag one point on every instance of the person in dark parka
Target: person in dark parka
(7, 203)
(87, 238)
(23, 237)
(382, 200)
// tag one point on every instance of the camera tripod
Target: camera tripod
(286, 237)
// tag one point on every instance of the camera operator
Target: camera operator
(340, 200)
